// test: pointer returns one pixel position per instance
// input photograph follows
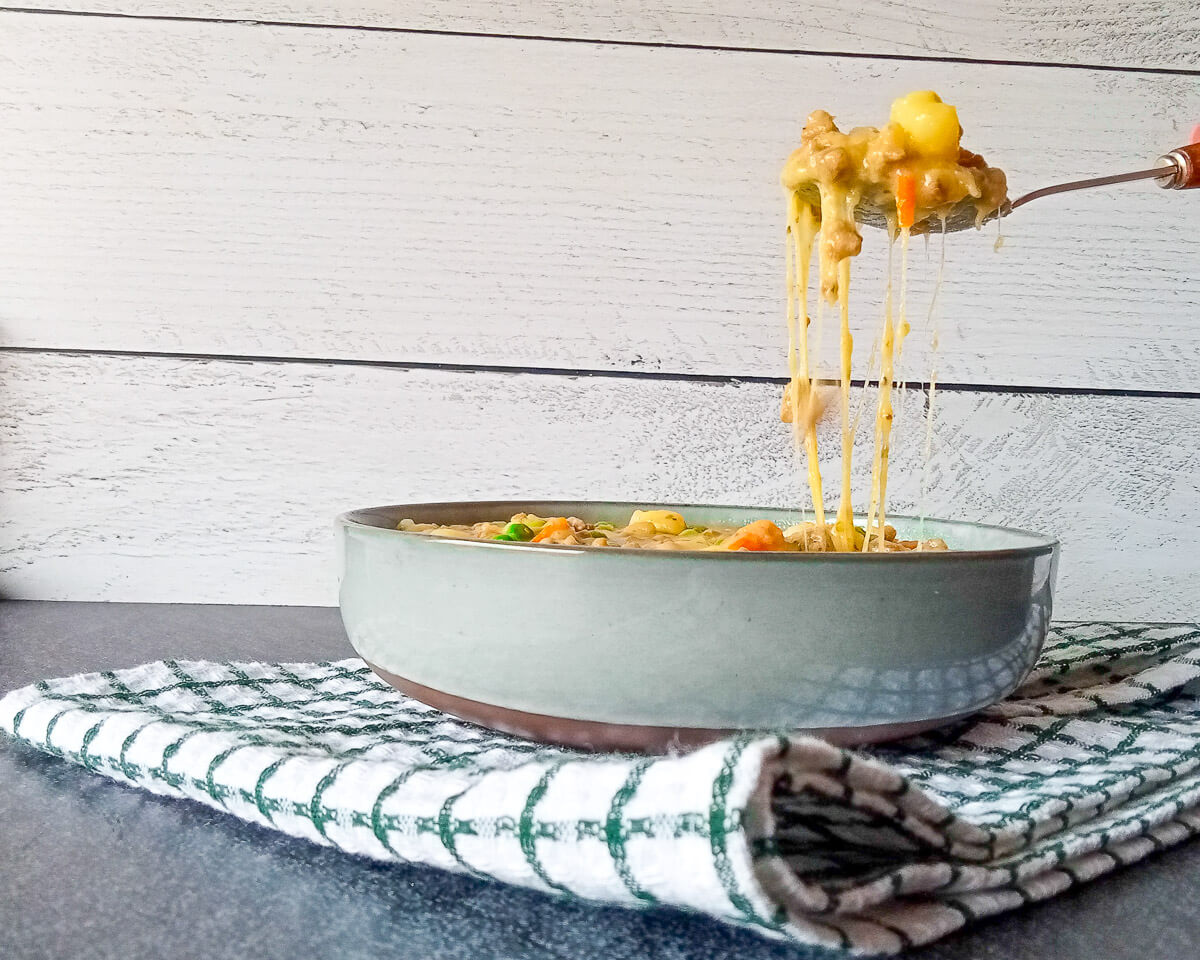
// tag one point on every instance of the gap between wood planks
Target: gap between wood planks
(613, 374)
(600, 41)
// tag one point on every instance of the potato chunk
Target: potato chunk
(930, 126)
(663, 521)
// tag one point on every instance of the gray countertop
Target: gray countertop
(91, 868)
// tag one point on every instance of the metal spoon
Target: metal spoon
(1177, 170)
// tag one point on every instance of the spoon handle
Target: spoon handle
(1187, 164)
(1168, 168)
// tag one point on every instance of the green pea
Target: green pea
(604, 525)
(518, 531)
(691, 532)
(504, 536)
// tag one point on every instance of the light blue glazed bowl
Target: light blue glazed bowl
(645, 650)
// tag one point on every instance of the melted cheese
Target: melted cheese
(802, 406)
(884, 413)
(931, 321)
(832, 178)
(843, 528)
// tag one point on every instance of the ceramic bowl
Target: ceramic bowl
(649, 650)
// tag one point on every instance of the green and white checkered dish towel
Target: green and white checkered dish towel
(1091, 765)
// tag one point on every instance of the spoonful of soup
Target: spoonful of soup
(905, 173)
(913, 172)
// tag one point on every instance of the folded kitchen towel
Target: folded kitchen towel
(1091, 765)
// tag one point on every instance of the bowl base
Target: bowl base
(597, 735)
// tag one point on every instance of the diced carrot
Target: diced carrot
(553, 526)
(759, 535)
(906, 199)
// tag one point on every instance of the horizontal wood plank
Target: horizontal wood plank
(1143, 33)
(225, 189)
(171, 480)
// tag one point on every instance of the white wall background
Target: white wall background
(265, 260)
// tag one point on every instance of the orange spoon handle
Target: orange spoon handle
(1186, 161)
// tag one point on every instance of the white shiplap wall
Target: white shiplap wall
(175, 182)
(1138, 34)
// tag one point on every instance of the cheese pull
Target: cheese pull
(1186, 161)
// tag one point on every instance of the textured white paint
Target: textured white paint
(229, 188)
(151, 479)
(1139, 33)
(237, 188)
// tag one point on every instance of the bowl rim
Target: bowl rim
(1046, 545)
